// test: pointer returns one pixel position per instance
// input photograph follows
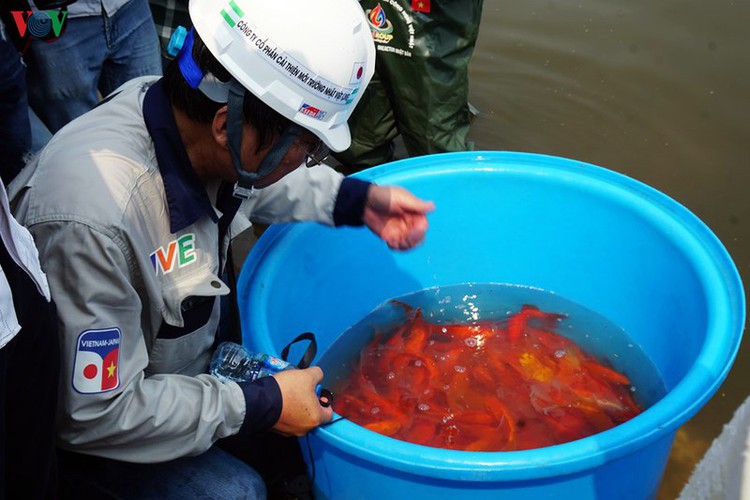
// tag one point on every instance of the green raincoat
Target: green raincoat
(420, 86)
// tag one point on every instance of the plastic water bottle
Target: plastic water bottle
(232, 361)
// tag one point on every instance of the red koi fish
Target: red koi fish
(504, 385)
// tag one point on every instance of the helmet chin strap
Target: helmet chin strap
(233, 93)
(270, 162)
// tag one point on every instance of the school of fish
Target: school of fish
(505, 385)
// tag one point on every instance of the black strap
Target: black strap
(228, 205)
(310, 352)
(234, 327)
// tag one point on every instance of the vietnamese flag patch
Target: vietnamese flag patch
(96, 366)
(420, 5)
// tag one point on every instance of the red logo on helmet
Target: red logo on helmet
(312, 111)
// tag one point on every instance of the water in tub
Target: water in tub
(488, 367)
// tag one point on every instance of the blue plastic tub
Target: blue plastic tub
(595, 237)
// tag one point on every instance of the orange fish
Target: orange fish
(503, 385)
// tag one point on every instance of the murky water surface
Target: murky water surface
(659, 91)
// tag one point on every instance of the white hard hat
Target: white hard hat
(309, 60)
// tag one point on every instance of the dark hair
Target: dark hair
(200, 108)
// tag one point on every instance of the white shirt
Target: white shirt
(20, 246)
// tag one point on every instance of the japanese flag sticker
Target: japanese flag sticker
(357, 73)
(96, 367)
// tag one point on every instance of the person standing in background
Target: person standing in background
(421, 82)
(15, 128)
(104, 44)
(29, 367)
(168, 15)
(29, 346)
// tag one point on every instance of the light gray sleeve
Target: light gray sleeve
(305, 194)
(142, 419)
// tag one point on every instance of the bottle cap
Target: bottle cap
(176, 41)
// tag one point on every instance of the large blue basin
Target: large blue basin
(590, 235)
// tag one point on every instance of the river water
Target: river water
(659, 91)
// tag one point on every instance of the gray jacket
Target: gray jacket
(127, 261)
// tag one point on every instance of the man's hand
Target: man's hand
(301, 410)
(396, 215)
